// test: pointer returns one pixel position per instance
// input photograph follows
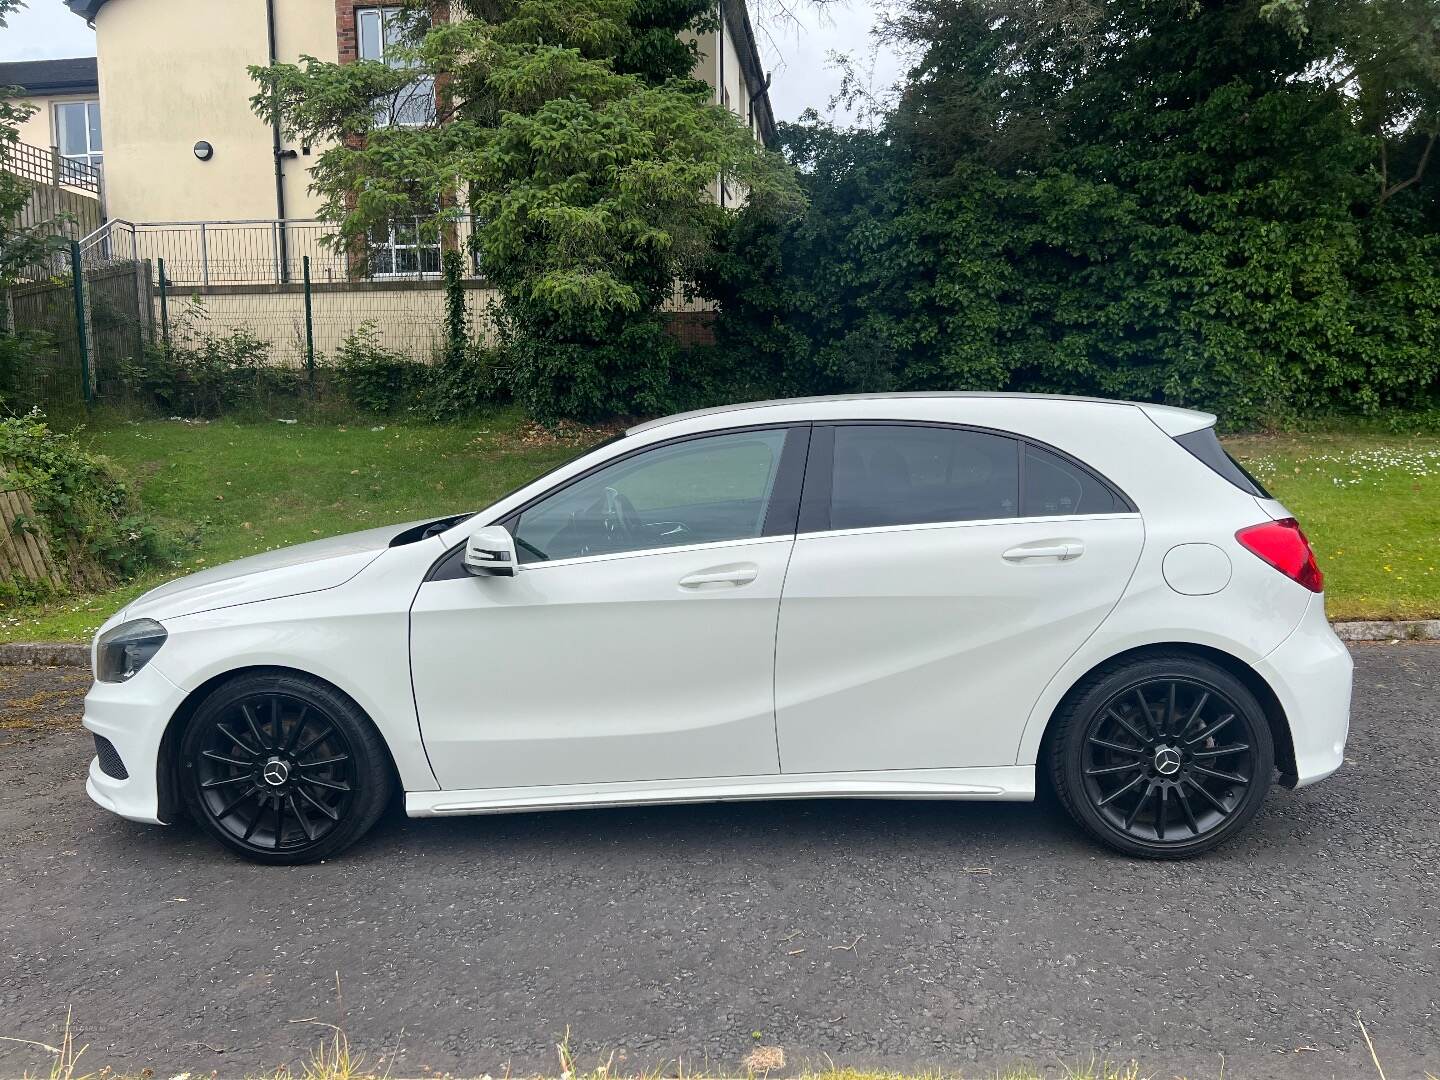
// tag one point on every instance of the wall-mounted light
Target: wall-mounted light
(204, 151)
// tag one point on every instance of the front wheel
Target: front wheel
(1163, 757)
(283, 768)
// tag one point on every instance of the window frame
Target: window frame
(816, 494)
(781, 515)
(92, 158)
(382, 12)
(389, 243)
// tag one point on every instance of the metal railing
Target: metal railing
(272, 251)
(49, 167)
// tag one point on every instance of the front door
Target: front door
(932, 593)
(636, 640)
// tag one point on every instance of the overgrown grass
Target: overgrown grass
(1370, 505)
(1368, 501)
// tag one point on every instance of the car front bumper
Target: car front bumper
(133, 716)
(1311, 673)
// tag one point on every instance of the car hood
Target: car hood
(290, 571)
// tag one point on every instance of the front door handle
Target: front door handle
(1059, 550)
(733, 576)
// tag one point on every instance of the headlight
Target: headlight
(122, 652)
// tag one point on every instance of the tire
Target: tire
(1180, 778)
(283, 768)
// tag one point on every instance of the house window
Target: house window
(403, 250)
(380, 30)
(77, 132)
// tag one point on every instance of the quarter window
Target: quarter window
(1053, 486)
(910, 475)
(693, 492)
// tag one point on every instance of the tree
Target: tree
(1126, 198)
(573, 132)
(1384, 55)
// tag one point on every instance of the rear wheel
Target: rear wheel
(1163, 757)
(283, 768)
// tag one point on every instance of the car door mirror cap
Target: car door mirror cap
(490, 552)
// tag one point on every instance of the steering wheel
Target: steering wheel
(620, 514)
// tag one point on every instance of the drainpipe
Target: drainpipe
(279, 156)
(720, 79)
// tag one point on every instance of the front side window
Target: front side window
(698, 491)
(381, 31)
(77, 132)
(911, 475)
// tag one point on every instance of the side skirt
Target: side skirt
(1006, 783)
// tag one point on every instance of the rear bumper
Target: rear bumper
(1311, 673)
(133, 716)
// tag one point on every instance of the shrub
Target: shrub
(374, 378)
(86, 509)
(202, 374)
(631, 374)
(461, 383)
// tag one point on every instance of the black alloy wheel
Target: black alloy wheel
(1164, 758)
(283, 769)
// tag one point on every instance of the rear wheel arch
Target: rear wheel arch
(171, 805)
(1253, 681)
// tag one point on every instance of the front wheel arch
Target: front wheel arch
(171, 805)
(1275, 715)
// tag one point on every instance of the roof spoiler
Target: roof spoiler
(1173, 421)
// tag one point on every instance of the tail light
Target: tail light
(1283, 545)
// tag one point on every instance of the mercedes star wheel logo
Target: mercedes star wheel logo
(277, 772)
(1167, 761)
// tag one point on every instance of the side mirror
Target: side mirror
(490, 552)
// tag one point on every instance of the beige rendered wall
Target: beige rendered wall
(410, 321)
(38, 130)
(173, 74)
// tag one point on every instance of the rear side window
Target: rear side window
(1054, 486)
(1204, 444)
(911, 475)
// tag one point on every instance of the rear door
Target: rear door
(940, 577)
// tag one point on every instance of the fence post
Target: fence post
(164, 309)
(204, 257)
(82, 342)
(309, 322)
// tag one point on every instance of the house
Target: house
(174, 93)
(66, 97)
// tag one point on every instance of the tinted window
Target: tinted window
(693, 492)
(907, 475)
(1055, 486)
(1205, 445)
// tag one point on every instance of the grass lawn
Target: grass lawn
(1367, 502)
(1369, 505)
(246, 488)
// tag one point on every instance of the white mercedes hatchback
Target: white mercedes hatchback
(941, 596)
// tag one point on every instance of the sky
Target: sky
(796, 52)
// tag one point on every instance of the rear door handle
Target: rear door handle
(721, 576)
(1059, 550)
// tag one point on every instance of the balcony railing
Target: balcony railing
(268, 251)
(49, 167)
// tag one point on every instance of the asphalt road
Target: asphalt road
(867, 933)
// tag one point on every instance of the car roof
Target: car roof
(1170, 419)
